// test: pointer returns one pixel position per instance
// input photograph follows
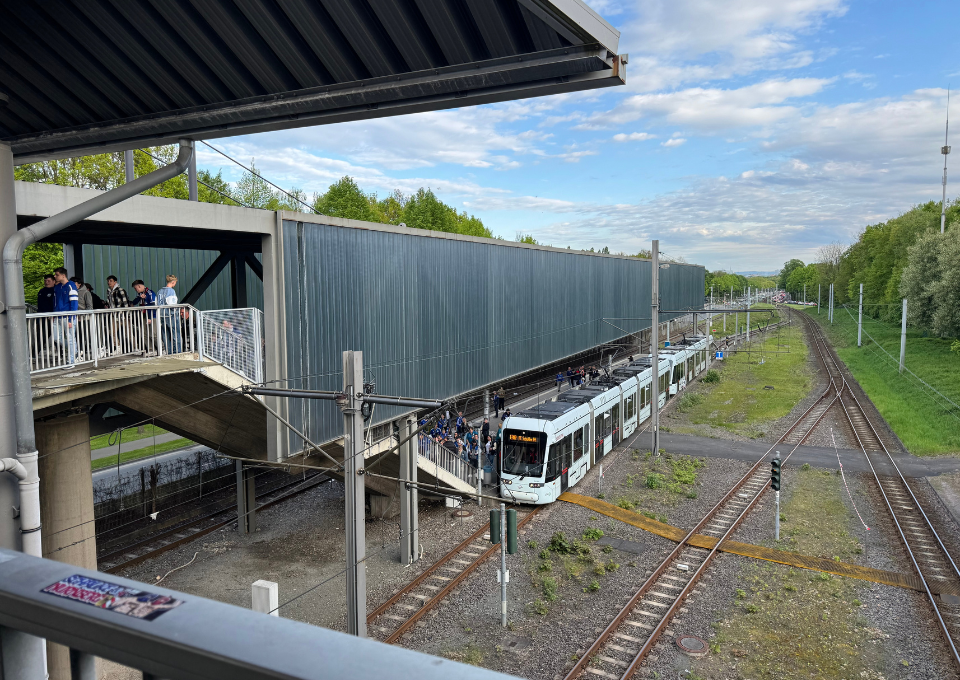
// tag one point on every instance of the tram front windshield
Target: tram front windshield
(524, 453)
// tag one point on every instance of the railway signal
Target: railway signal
(775, 484)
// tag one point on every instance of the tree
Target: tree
(39, 259)
(931, 282)
(786, 271)
(345, 199)
(526, 238)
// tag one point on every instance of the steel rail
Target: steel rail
(447, 589)
(652, 580)
(203, 532)
(857, 407)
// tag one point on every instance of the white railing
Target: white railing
(60, 340)
(448, 460)
(234, 338)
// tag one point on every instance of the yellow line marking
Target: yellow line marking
(675, 534)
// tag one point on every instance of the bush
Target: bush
(654, 481)
(593, 587)
(805, 467)
(688, 401)
(593, 534)
(624, 503)
(560, 545)
(550, 589)
(711, 376)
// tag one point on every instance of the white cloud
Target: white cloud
(713, 109)
(633, 137)
(676, 141)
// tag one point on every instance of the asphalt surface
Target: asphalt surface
(126, 447)
(131, 469)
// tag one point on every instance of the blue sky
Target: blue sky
(749, 132)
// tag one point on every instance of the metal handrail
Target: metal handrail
(447, 460)
(58, 340)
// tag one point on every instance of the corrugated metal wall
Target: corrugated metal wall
(436, 317)
(152, 266)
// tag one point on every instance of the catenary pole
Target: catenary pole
(903, 334)
(818, 299)
(654, 342)
(748, 313)
(860, 320)
(354, 489)
(945, 150)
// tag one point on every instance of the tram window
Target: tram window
(644, 397)
(566, 449)
(523, 452)
(628, 407)
(578, 448)
(606, 424)
(598, 426)
(554, 461)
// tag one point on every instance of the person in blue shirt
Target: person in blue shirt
(460, 423)
(559, 381)
(146, 298)
(170, 318)
(66, 299)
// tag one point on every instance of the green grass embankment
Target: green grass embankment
(145, 452)
(926, 423)
(740, 402)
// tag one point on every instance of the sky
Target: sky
(749, 132)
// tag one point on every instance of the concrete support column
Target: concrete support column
(275, 339)
(66, 505)
(246, 499)
(9, 494)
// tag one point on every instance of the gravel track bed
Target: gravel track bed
(471, 619)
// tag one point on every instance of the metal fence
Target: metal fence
(448, 460)
(66, 339)
(169, 634)
(234, 338)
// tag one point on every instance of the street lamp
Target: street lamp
(654, 342)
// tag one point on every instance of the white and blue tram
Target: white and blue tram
(550, 447)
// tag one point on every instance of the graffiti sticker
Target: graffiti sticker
(113, 597)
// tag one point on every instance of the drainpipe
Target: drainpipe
(26, 653)
(17, 321)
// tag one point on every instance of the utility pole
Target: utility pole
(409, 520)
(804, 293)
(504, 574)
(350, 401)
(818, 299)
(354, 490)
(903, 334)
(654, 342)
(860, 320)
(748, 313)
(945, 150)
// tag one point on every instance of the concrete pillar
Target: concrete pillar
(246, 499)
(66, 505)
(9, 494)
(69, 259)
(266, 597)
(275, 339)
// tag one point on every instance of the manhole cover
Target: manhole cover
(461, 513)
(621, 544)
(947, 598)
(515, 643)
(691, 645)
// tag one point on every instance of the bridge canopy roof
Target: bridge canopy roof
(89, 76)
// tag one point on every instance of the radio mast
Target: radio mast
(945, 150)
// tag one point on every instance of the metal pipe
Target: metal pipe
(17, 324)
(903, 334)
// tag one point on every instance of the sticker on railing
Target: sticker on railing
(113, 597)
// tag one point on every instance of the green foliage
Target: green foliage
(689, 400)
(550, 589)
(625, 503)
(931, 282)
(345, 199)
(540, 607)
(724, 282)
(526, 238)
(711, 376)
(593, 587)
(560, 545)
(39, 259)
(593, 534)
(654, 481)
(788, 269)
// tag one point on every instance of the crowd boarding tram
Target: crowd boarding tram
(550, 447)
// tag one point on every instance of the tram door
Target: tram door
(616, 425)
(566, 453)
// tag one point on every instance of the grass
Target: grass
(790, 623)
(924, 425)
(738, 401)
(145, 452)
(129, 435)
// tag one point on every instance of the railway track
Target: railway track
(400, 613)
(150, 547)
(928, 556)
(626, 642)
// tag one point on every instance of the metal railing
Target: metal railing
(168, 634)
(234, 338)
(60, 340)
(448, 460)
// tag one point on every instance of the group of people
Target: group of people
(62, 293)
(578, 376)
(465, 441)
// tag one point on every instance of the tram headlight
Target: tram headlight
(536, 485)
